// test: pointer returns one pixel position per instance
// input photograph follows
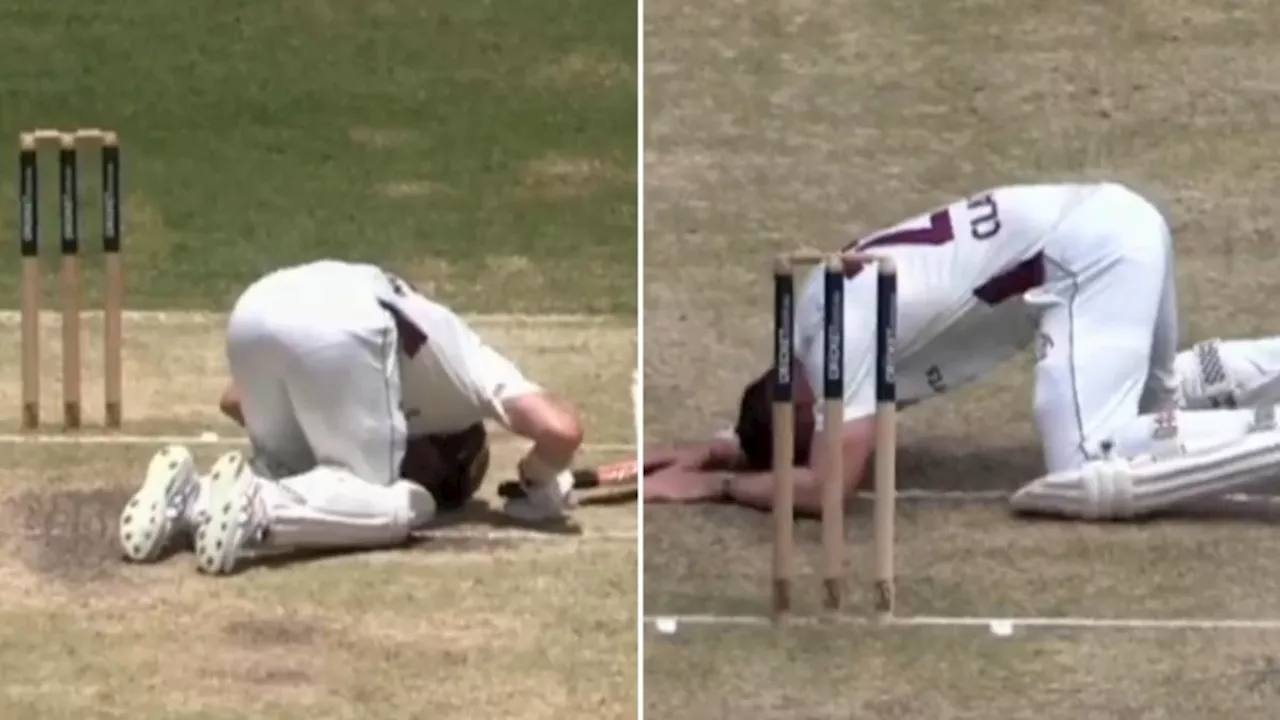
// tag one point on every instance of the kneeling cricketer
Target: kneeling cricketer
(364, 404)
(1085, 272)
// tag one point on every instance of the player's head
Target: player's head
(755, 425)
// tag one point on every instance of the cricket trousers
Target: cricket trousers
(316, 361)
(1108, 338)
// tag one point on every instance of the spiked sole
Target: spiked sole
(223, 532)
(152, 517)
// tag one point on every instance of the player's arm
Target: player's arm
(229, 404)
(756, 489)
(723, 452)
(683, 455)
(720, 452)
(697, 472)
(857, 434)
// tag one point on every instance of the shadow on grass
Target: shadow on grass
(438, 537)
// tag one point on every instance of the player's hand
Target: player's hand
(542, 500)
(685, 487)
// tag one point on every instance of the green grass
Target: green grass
(477, 145)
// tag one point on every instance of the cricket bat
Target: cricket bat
(609, 475)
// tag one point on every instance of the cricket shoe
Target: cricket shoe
(235, 519)
(164, 507)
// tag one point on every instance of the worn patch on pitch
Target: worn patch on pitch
(273, 632)
(68, 535)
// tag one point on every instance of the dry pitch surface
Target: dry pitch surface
(773, 125)
(478, 621)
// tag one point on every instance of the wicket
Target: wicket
(833, 420)
(68, 143)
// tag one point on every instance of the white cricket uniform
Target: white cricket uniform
(337, 364)
(1084, 269)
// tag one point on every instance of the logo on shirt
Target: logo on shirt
(984, 219)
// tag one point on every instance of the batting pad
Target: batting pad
(1118, 488)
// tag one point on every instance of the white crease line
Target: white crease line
(495, 534)
(959, 496)
(955, 496)
(196, 317)
(519, 534)
(109, 439)
(1058, 623)
(981, 496)
(71, 439)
